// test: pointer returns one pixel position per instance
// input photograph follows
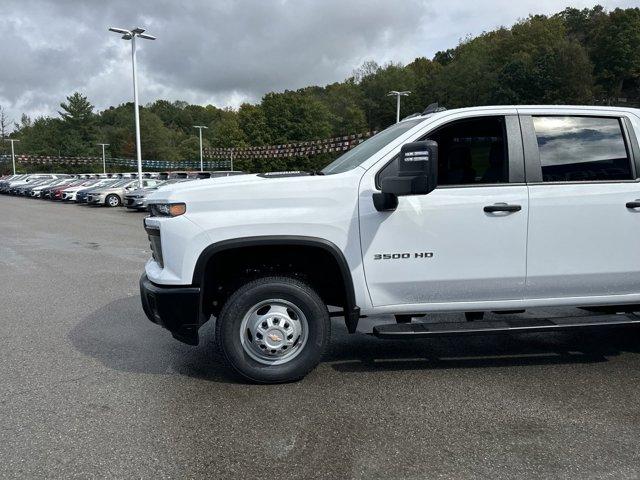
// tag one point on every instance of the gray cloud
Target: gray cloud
(224, 52)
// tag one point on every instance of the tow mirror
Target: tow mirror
(417, 174)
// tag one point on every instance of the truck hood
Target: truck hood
(209, 182)
(253, 190)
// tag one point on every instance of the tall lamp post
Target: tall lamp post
(200, 127)
(132, 35)
(398, 94)
(104, 162)
(13, 152)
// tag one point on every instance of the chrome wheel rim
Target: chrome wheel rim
(274, 332)
(113, 201)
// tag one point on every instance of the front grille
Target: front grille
(156, 245)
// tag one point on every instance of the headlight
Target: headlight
(167, 209)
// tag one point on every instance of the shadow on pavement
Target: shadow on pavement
(120, 337)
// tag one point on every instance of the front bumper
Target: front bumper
(176, 308)
(134, 203)
(95, 199)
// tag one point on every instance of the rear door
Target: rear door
(583, 179)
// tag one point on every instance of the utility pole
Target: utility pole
(13, 152)
(132, 35)
(231, 152)
(104, 162)
(200, 127)
(398, 94)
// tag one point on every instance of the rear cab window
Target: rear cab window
(582, 149)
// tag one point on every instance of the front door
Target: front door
(466, 240)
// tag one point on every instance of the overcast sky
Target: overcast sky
(225, 52)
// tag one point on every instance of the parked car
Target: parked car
(29, 179)
(82, 195)
(42, 190)
(470, 210)
(134, 199)
(26, 188)
(113, 195)
(6, 181)
(69, 193)
(55, 192)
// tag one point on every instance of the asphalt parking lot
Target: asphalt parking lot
(91, 388)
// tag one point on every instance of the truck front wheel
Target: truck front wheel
(273, 330)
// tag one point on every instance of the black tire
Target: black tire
(227, 337)
(112, 196)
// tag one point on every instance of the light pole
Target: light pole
(200, 127)
(131, 35)
(104, 162)
(398, 94)
(13, 152)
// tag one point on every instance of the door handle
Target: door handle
(502, 207)
(635, 204)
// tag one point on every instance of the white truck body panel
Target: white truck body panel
(323, 207)
(477, 256)
(571, 244)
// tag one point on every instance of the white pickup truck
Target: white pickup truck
(473, 210)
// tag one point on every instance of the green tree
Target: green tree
(292, 116)
(253, 123)
(226, 132)
(78, 125)
(615, 51)
(345, 103)
(189, 148)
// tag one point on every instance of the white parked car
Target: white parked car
(69, 194)
(471, 210)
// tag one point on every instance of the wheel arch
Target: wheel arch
(207, 257)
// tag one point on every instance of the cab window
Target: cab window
(582, 149)
(472, 151)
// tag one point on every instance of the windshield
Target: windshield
(116, 183)
(105, 183)
(362, 152)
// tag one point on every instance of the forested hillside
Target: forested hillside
(586, 56)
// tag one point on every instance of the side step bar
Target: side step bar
(532, 325)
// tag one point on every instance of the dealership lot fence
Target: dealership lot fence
(42, 160)
(298, 149)
(216, 158)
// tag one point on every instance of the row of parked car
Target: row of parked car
(110, 190)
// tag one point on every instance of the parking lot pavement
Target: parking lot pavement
(91, 388)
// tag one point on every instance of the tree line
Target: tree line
(577, 56)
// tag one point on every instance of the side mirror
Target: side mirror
(417, 174)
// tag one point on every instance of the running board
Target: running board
(524, 325)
